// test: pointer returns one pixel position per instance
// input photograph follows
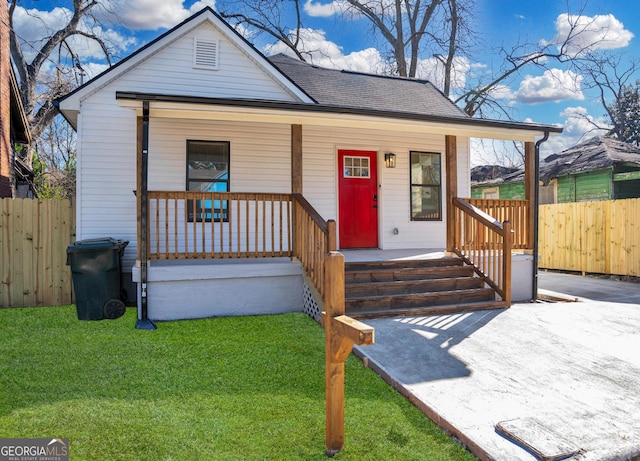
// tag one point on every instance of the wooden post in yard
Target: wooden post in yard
(341, 333)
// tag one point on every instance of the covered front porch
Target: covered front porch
(195, 240)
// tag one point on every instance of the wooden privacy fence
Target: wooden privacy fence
(34, 236)
(597, 237)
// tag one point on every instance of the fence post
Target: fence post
(341, 333)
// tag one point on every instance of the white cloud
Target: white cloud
(152, 14)
(32, 25)
(93, 68)
(502, 92)
(578, 125)
(197, 6)
(585, 33)
(432, 69)
(553, 86)
(326, 53)
(316, 8)
(324, 10)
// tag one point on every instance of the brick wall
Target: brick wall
(5, 104)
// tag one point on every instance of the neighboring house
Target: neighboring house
(16, 178)
(599, 168)
(224, 169)
(494, 182)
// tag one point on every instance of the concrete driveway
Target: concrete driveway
(566, 375)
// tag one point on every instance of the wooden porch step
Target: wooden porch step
(403, 264)
(429, 310)
(354, 306)
(367, 289)
(414, 287)
(398, 274)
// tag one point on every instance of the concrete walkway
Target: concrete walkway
(590, 287)
(572, 368)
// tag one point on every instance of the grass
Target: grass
(248, 388)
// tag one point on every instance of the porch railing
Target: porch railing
(484, 243)
(313, 239)
(187, 225)
(514, 211)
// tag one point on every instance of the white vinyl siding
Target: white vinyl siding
(171, 71)
(320, 146)
(260, 158)
(259, 163)
(106, 172)
(205, 53)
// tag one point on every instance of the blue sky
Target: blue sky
(554, 96)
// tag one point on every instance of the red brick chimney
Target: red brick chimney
(5, 104)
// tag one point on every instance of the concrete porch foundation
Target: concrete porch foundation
(214, 288)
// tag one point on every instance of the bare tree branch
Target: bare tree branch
(38, 105)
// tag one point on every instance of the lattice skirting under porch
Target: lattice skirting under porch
(311, 307)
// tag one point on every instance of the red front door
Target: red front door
(358, 199)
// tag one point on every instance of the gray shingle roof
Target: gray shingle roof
(342, 88)
(593, 154)
(488, 173)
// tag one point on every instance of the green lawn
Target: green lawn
(249, 388)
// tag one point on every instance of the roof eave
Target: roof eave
(481, 127)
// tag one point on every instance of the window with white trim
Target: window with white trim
(426, 187)
(208, 171)
(356, 167)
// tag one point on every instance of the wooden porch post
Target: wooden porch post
(341, 333)
(296, 178)
(451, 166)
(296, 159)
(530, 189)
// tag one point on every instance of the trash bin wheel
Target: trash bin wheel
(113, 309)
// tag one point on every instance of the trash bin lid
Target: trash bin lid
(106, 243)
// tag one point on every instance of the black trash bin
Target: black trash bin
(96, 271)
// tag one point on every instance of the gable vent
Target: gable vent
(205, 53)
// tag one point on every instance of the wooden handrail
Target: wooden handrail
(480, 215)
(313, 239)
(313, 214)
(485, 244)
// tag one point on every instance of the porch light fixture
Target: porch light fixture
(390, 160)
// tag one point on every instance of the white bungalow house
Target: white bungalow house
(232, 174)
